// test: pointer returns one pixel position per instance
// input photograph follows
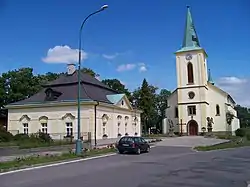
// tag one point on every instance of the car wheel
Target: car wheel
(138, 151)
(120, 151)
(148, 149)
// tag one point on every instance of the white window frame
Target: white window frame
(25, 128)
(44, 128)
(69, 129)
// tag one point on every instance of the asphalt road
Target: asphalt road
(162, 167)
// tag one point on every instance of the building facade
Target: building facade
(196, 99)
(104, 112)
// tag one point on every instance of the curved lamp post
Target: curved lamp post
(79, 142)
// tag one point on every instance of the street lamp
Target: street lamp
(78, 142)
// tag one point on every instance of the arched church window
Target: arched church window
(217, 110)
(190, 73)
(176, 112)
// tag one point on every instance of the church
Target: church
(105, 113)
(197, 101)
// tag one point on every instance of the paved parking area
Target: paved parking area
(190, 141)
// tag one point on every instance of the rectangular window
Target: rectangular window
(69, 129)
(44, 128)
(191, 110)
(25, 128)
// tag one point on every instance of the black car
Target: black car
(132, 144)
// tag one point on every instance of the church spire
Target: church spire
(210, 77)
(190, 36)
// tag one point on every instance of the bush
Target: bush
(248, 136)
(5, 136)
(240, 132)
(45, 137)
(21, 137)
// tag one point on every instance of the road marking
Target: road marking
(60, 163)
(56, 164)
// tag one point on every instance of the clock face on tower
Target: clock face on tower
(188, 57)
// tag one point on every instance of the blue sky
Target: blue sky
(143, 34)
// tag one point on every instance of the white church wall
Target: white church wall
(235, 125)
(200, 95)
(170, 112)
(215, 98)
(199, 64)
(186, 118)
(235, 122)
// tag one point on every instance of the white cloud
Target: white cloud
(238, 88)
(126, 67)
(142, 67)
(63, 54)
(110, 57)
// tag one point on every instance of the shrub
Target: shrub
(21, 137)
(248, 136)
(240, 132)
(45, 137)
(5, 136)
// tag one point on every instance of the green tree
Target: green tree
(116, 85)
(161, 106)
(145, 97)
(243, 115)
(2, 92)
(89, 71)
(20, 84)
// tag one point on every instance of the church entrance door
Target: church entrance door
(193, 128)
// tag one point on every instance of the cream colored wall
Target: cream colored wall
(111, 127)
(57, 125)
(216, 98)
(123, 104)
(200, 94)
(200, 79)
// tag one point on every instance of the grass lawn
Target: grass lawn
(33, 144)
(233, 143)
(36, 160)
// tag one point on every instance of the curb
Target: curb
(216, 150)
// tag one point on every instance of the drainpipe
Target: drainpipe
(95, 122)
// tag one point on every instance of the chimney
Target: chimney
(71, 69)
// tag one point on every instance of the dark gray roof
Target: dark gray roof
(65, 89)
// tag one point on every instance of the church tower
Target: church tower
(192, 78)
